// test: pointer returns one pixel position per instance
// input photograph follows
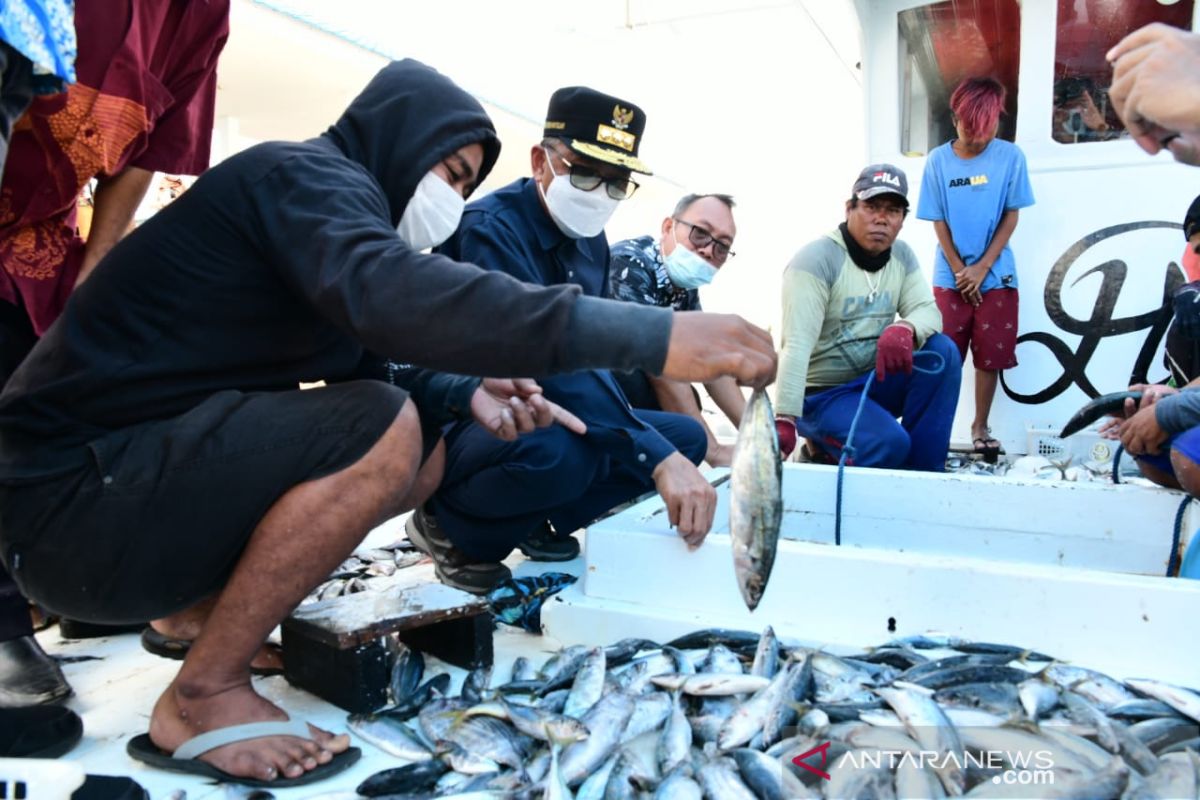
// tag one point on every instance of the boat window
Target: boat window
(941, 45)
(1087, 29)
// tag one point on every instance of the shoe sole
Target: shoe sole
(551, 558)
(463, 587)
(415, 536)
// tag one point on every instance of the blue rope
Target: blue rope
(848, 446)
(1173, 563)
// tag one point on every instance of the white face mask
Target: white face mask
(578, 214)
(432, 215)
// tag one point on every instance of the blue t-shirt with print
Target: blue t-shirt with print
(971, 195)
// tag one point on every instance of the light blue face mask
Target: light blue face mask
(686, 269)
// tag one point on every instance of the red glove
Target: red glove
(785, 429)
(894, 351)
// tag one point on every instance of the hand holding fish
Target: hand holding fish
(705, 346)
(690, 499)
(509, 407)
(1150, 393)
(1141, 434)
(1156, 89)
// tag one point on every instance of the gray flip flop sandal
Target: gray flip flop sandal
(185, 759)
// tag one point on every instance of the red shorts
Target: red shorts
(989, 328)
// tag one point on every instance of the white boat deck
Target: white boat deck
(115, 694)
(1090, 595)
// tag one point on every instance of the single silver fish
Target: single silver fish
(389, 735)
(605, 722)
(766, 655)
(721, 780)
(928, 724)
(768, 779)
(593, 787)
(678, 785)
(588, 684)
(1184, 701)
(755, 498)
(675, 744)
(711, 684)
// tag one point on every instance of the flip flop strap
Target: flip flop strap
(198, 745)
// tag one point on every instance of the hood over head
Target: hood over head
(407, 119)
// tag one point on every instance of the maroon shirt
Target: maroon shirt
(145, 97)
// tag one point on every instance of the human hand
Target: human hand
(894, 351)
(1151, 394)
(509, 407)
(1111, 429)
(1156, 89)
(1141, 435)
(719, 455)
(785, 429)
(691, 500)
(705, 346)
(968, 279)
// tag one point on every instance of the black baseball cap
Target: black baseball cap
(598, 126)
(1191, 222)
(880, 179)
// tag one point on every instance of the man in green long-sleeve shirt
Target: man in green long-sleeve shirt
(855, 305)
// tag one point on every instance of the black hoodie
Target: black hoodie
(280, 265)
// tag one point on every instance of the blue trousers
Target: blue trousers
(495, 494)
(924, 403)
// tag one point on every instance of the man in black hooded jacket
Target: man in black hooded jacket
(157, 458)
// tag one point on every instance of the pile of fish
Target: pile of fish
(355, 573)
(736, 715)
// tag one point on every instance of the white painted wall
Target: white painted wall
(1079, 189)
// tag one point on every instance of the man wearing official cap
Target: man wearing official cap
(533, 493)
(855, 306)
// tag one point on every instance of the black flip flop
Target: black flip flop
(162, 645)
(186, 757)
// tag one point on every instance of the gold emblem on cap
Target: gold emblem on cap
(622, 117)
(621, 139)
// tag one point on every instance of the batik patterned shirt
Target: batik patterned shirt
(637, 274)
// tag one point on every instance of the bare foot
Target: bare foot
(183, 712)
(268, 657)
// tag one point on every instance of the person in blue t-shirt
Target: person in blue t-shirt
(972, 190)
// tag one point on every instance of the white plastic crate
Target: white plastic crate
(1083, 447)
(39, 778)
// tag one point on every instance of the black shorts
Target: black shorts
(158, 517)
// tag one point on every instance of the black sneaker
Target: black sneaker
(544, 545)
(450, 564)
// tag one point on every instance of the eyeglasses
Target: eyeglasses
(587, 179)
(701, 239)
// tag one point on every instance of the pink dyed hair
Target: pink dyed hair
(977, 102)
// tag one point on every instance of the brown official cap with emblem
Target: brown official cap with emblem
(598, 126)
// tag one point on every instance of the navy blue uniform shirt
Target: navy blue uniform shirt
(509, 231)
